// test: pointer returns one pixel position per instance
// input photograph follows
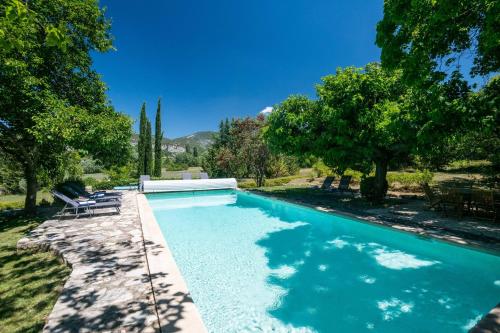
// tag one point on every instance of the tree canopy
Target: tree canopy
(367, 116)
(240, 151)
(51, 100)
(427, 38)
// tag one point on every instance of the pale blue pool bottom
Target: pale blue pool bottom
(257, 265)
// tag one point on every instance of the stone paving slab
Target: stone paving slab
(109, 288)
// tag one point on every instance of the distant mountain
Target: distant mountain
(201, 140)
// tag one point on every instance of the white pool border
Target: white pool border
(175, 309)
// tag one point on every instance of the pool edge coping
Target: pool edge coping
(395, 224)
(170, 291)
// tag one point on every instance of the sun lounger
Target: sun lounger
(186, 176)
(203, 175)
(327, 183)
(432, 198)
(86, 207)
(344, 184)
(98, 196)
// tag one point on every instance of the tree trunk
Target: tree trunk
(31, 189)
(380, 177)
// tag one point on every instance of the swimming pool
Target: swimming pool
(256, 264)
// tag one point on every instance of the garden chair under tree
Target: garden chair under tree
(83, 207)
(76, 191)
(433, 199)
(344, 184)
(452, 201)
(327, 183)
(483, 201)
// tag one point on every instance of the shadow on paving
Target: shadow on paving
(109, 288)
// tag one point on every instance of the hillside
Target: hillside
(200, 140)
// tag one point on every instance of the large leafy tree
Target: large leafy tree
(428, 38)
(51, 100)
(240, 151)
(158, 140)
(356, 122)
(367, 117)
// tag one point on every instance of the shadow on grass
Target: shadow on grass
(29, 282)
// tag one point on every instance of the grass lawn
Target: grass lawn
(29, 283)
(15, 201)
(195, 173)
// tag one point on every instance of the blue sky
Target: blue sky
(209, 60)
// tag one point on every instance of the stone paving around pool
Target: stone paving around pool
(109, 289)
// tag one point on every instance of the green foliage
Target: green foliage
(90, 165)
(7, 205)
(320, 169)
(239, 151)
(427, 38)
(90, 181)
(110, 184)
(280, 165)
(369, 189)
(51, 99)
(174, 166)
(141, 144)
(187, 159)
(358, 120)
(148, 151)
(158, 140)
(410, 179)
(16, 201)
(356, 176)
(117, 176)
(271, 182)
(11, 177)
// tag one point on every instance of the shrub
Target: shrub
(370, 191)
(409, 179)
(90, 181)
(11, 205)
(247, 184)
(110, 184)
(268, 182)
(321, 169)
(356, 175)
(90, 165)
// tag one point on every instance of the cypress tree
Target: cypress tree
(141, 142)
(158, 139)
(148, 151)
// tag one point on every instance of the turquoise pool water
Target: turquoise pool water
(254, 264)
